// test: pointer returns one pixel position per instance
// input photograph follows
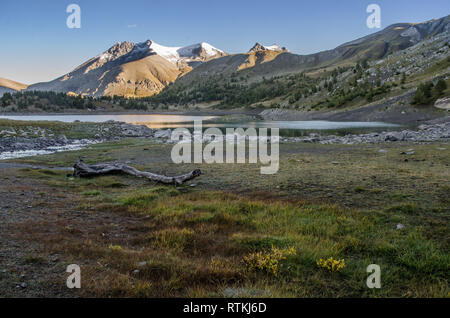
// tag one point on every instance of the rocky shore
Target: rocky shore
(36, 140)
(425, 133)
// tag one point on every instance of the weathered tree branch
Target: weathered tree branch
(83, 170)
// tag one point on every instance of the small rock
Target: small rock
(443, 103)
(136, 271)
(23, 285)
(163, 133)
(400, 226)
(382, 151)
(335, 162)
(193, 185)
(63, 139)
(141, 264)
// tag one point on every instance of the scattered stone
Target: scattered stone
(24, 285)
(193, 185)
(425, 133)
(443, 103)
(141, 264)
(63, 139)
(113, 130)
(400, 226)
(241, 292)
(395, 136)
(136, 271)
(334, 162)
(163, 133)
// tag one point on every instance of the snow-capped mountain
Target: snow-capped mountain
(144, 69)
(201, 51)
(259, 47)
(132, 51)
(132, 69)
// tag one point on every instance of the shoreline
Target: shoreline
(371, 113)
(182, 113)
(17, 142)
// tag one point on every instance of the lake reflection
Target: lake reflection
(156, 121)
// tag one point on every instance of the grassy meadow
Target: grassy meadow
(309, 231)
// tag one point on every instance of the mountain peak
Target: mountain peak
(196, 52)
(259, 47)
(201, 51)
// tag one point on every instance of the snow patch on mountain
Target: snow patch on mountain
(259, 47)
(177, 53)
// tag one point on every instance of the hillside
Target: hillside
(386, 63)
(8, 86)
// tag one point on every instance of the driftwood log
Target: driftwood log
(83, 170)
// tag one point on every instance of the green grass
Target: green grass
(193, 242)
(200, 227)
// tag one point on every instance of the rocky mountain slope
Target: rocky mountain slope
(132, 70)
(267, 62)
(145, 69)
(380, 65)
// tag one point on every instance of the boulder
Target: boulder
(396, 136)
(163, 133)
(63, 139)
(443, 103)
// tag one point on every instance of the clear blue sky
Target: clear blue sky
(36, 44)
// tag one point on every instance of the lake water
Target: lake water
(287, 128)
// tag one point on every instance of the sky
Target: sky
(36, 44)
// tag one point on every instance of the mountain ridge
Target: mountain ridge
(9, 86)
(132, 70)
